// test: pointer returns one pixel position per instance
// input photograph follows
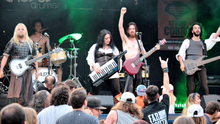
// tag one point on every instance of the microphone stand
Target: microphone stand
(48, 46)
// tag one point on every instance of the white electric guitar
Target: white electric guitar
(19, 66)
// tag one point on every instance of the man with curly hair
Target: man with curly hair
(58, 106)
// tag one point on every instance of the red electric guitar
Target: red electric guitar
(133, 65)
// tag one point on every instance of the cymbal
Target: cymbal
(67, 38)
(71, 49)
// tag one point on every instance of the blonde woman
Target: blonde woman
(30, 115)
(193, 98)
(195, 111)
(19, 47)
(172, 99)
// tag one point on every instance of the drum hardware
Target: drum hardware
(3, 88)
(70, 38)
(71, 56)
(48, 46)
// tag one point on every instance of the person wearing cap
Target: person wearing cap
(94, 105)
(157, 112)
(172, 99)
(196, 113)
(71, 84)
(212, 112)
(141, 89)
(124, 112)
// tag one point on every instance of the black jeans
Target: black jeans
(132, 82)
(201, 77)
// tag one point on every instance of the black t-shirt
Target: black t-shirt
(157, 112)
(42, 87)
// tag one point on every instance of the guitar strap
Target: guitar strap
(29, 46)
(205, 48)
(139, 45)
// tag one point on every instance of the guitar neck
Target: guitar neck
(41, 57)
(208, 61)
(148, 53)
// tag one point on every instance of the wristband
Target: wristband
(165, 69)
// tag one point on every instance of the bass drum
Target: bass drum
(43, 72)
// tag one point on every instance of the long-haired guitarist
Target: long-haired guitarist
(129, 43)
(20, 46)
(193, 48)
(99, 54)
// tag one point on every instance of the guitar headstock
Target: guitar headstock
(162, 42)
(57, 50)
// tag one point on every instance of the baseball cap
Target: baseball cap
(94, 102)
(128, 97)
(193, 108)
(171, 88)
(141, 90)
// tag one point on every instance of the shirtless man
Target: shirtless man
(129, 43)
(39, 38)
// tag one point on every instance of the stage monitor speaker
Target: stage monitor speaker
(208, 98)
(106, 101)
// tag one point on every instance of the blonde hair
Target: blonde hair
(183, 120)
(190, 101)
(199, 120)
(30, 115)
(172, 98)
(130, 108)
(15, 39)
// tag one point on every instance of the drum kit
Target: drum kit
(57, 59)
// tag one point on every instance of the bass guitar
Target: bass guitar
(19, 66)
(191, 66)
(133, 65)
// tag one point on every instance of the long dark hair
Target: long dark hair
(189, 33)
(100, 40)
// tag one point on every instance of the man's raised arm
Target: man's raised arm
(120, 24)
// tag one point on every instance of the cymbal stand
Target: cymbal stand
(71, 76)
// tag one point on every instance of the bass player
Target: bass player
(193, 48)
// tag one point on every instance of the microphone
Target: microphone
(46, 34)
(138, 33)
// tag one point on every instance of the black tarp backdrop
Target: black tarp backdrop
(89, 17)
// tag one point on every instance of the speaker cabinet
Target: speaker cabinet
(208, 98)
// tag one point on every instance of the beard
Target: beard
(21, 36)
(197, 35)
(132, 35)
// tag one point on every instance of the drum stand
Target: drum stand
(71, 76)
